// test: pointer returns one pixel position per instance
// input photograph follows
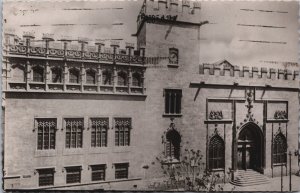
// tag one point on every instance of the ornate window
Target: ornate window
(46, 177)
(74, 128)
(74, 75)
(279, 149)
(18, 73)
(216, 153)
(99, 132)
(107, 77)
(38, 74)
(122, 131)
(122, 78)
(98, 172)
(172, 144)
(173, 101)
(173, 56)
(73, 174)
(46, 133)
(56, 75)
(90, 77)
(136, 79)
(121, 170)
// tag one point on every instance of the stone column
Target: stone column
(83, 42)
(65, 76)
(100, 44)
(47, 38)
(28, 37)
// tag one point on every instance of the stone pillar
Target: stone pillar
(66, 41)
(81, 76)
(47, 38)
(115, 76)
(65, 76)
(83, 42)
(28, 74)
(272, 73)
(115, 45)
(236, 71)
(264, 73)
(143, 53)
(47, 75)
(99, 79)
(100, 44)
(129, 79)
(255, 72)
(28, 37)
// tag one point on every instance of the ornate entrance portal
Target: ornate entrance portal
(250, 148)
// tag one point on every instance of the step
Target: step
(249, 178)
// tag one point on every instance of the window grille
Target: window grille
(46, 177)
(46, 133)
(172, 144)
(73, 174)
(216, 153)
(121, 171)
(56, 75)
(74, 76)
(38, 74)
(122, 131)
(99, 132)
(74, 128)
(90, 77)
(98, 172)
(279, 149)
(173, 101)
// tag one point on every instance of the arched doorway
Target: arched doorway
(250, 148)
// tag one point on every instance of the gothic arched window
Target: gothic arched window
(18, 73)
(90, 76)
(136, 80)
(216, 153)
(74, 75)
(56, 75)
(279, 149)
(172, 145)
(122, 78)
(106, 77)
(38, 74)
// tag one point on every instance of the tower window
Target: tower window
(173, 101)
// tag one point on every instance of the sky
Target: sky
(235, 32)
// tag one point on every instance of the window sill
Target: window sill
(45, 153)
(173, 65)
(279, 164)
(217, 170)
(73, 151)
(172, 115)
(169, 160)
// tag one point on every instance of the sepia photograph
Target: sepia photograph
(150, 95)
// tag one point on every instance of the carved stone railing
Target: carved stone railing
(74, 54)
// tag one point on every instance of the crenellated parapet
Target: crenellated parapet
(248, 72)
(76, 49)
(170, 10)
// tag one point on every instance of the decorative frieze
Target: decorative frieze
(280, 115)
(215, 115)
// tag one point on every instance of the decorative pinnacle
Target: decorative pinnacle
(129, 45)
(114, 43)
(48, 36)
(28, 34)
(100, 42)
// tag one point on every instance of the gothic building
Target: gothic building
(96, 117)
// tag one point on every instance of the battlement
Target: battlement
(66, 47)
(248, 72)
(174, 10)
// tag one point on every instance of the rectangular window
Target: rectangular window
(121, 170)
(98, 172)
(74, 131)
(46, 133)
(46, 177)
(99, 132)
(122, 131)
(73, 174)
(173, 101)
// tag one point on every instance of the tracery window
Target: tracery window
(99, 132)
(38, 74)
(46, 133)
(122, 78)
(136, 80)
(122, 131)
(90, 77)
(56, 75)
(172, 144)
(74, 131)
(279, 149)
(107, 77)
(74, 75)
(216, 153)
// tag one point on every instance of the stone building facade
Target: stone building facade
(96, 118)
